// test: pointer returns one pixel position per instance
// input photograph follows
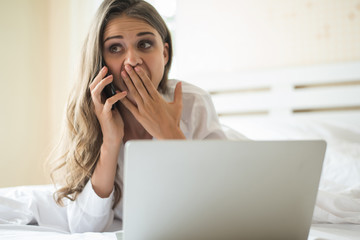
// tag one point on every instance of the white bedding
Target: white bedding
(334, 232)
(337, 210)
(28, 232)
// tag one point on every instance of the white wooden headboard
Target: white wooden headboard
(326, 90)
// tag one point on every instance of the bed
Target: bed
(317, 102)
(313, 102)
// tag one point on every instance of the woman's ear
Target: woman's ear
(166, 53)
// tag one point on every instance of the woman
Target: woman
(130, 47)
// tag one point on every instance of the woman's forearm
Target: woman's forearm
(103, 177)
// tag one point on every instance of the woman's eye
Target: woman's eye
(115, 48)
(145, 44)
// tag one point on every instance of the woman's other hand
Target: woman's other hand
(160, 118)
(112, 125)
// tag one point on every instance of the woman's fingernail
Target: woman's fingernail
(127, 67)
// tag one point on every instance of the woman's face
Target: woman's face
(131, 41)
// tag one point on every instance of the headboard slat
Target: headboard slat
(328, 84)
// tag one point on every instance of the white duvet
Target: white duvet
(28, 232)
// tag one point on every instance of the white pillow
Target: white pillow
(338, 199)
(32, 205)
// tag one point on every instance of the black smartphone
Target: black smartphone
(109, 90)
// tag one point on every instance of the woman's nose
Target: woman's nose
(132, 57)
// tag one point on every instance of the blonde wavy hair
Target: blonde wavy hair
(74, 159)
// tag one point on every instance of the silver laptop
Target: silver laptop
(217, 189)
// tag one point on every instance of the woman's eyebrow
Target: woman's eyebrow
(144, 33)
(121, 37)
(117, 36)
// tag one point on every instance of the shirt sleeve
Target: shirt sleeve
(89, 212)
(200, 119)
(206, 124)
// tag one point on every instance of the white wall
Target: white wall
(24, 91)
(40, 45)
(231, 36)
(69, 21)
